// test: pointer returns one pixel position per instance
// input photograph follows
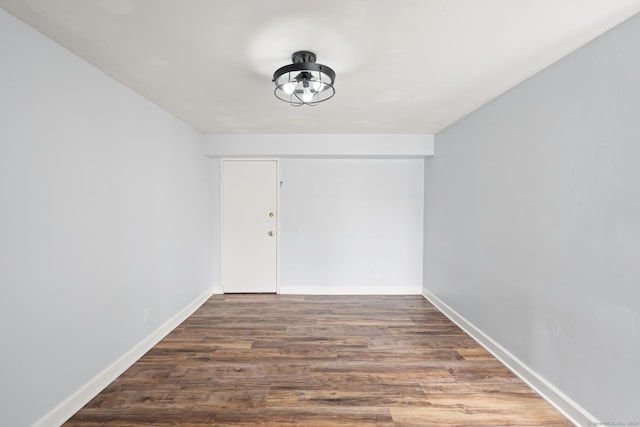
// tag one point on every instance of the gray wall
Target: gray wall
(104, 212)
(532, 222)
(351, 226)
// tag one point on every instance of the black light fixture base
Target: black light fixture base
(303, 56)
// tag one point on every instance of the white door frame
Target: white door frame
(278, 228)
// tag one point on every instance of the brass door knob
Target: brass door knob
(271, 214)
(271, 233)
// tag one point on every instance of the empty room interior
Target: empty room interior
(354, 212)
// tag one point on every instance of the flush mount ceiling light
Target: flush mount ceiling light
(304, 82)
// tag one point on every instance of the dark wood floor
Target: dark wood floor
(317, 361)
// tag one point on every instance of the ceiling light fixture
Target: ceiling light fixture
(304, 82)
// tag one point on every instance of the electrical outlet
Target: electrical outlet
(147, 315)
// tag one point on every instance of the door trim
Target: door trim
(278, 227)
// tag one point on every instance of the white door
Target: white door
(249, 241)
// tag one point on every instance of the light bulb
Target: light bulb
(288, 88)
(317, 85)
(307, 94)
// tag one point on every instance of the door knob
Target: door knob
(271, 214)
(271, 233)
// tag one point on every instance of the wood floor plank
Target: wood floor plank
(292, 360)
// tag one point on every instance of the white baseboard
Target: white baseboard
(369, 289)
(570, 409)
(72, 404)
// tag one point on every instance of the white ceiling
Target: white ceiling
(403, 66)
